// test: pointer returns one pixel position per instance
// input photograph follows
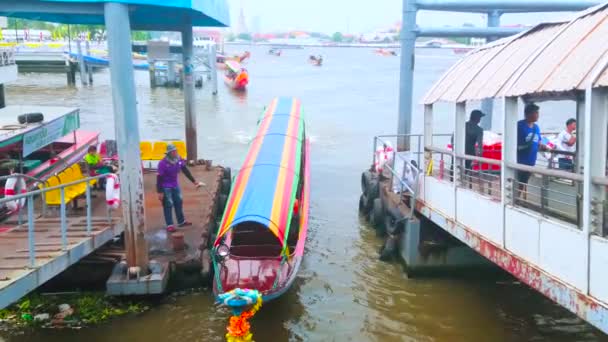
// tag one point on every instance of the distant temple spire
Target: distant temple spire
(241, 24)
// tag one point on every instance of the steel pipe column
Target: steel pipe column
(188, 84)
(127, 133)
(406, 81)
(487, 105)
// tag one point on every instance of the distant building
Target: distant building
(241, 25)
(256, 25)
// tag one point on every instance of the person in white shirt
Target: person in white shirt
(566, 141)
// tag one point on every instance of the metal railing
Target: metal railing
(481, 175)
(7, 56)
(36, 181)
(29, 196)
(558, 200)
(404, 180)
(599, 207)
(439, 163)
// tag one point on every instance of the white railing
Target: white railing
(400, 166)
(29, 196)
(550, 192)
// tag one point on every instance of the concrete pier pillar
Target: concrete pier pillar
(188, 85)
(406, 81)
(83, 73)
(213, 68)
(89, 67)
(2, 99)
(127, 133)
(425, 249)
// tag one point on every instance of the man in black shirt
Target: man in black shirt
(473, 143)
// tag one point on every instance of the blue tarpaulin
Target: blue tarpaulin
(153, 15)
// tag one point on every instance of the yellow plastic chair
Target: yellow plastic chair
(160, 148)
(69, 192)
(145, 148)
(181, 148)
(77, 189)
(51, 197)
(80, 175)
(77, 175)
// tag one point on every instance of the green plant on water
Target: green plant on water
(89, 308)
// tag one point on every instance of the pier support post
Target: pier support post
(188, 85)
(2, 99)
(406, 81)
(89, 67)
(487, 105)
(127, 133)
(213, 67)
(83, 73)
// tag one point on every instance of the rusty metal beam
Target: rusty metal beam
(584, 306)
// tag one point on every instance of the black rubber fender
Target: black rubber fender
(389, 250)
(223, 199)
(226, 184)
(376, 216)
(227, 174)
(366, 178)
(30, 118)
(394, 221)
(364, 205)
(206, 266)
(373, 189)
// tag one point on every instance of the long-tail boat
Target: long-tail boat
(260, 242)
(236, 76)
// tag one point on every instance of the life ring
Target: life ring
(113, 191)
(14, 186)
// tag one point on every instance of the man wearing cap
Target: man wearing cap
(473, 143)
(168, 189)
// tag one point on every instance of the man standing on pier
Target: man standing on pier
(528, 144)
(167, 187)
(473, 145)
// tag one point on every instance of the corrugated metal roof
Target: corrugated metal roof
(551, 58)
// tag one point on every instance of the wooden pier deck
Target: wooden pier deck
(17, 277)
(200, 207)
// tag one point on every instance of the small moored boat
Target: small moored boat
(315, 60)
(260, 242)
(274, 52)
(236, 76)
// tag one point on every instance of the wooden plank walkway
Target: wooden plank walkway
(17, 277)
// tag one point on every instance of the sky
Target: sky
(354, 16)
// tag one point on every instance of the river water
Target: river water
(343, 292)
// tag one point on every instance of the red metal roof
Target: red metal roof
(551, 58)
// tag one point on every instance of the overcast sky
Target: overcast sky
(356, 16)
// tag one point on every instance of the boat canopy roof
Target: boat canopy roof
(234, 66)
(166, 15)
(550, 60)
(58, 122)
(264, 190)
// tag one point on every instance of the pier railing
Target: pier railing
(552, 193)
(549, 192)
(63, 188)
(404, 167)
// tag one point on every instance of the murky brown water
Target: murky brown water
(343, 293)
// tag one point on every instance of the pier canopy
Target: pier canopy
(554, 59)
(154, 15)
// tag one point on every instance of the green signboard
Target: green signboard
(49, 132)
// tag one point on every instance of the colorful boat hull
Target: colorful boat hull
(265, 222)
(236, 76)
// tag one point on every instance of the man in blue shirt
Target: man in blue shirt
(528, 142)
